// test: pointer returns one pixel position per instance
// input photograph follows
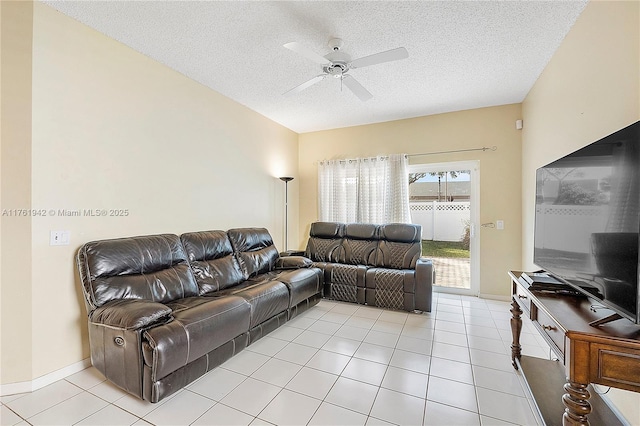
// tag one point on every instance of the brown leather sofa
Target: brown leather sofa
(165, 309)
(377, 265)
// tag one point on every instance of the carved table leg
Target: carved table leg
(516, 328)
(577, 402)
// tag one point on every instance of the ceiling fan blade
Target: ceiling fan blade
(378, 58)
(304, 85)
(307, 53)
(357, 88)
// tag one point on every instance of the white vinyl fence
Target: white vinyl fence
(441, 221)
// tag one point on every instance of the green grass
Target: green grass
(444, 249)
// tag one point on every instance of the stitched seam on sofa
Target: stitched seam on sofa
(186, 332)
(173, 269)
(113, 327)
(154, 357)
(89, 277)
(249, 287)
(212, 316)
(262, 295)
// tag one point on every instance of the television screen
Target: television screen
(587, 220)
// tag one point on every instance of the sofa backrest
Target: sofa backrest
(325, 239)
(400, 245)
(359, 244)
(212, 260)
(153, 267)
(393, 245)
(254, 248)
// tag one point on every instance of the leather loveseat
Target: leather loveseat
(377, 265)
(165, 309)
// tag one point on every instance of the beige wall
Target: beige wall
(590, 88)
(500, 183)
(15, 181)
(113, 129)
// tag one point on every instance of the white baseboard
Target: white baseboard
(47, 379)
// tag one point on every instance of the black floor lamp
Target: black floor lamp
(286, 180)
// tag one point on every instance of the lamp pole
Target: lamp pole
(286, 180)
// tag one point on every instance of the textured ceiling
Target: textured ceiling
(462, 54)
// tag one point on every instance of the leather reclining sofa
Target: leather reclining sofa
(377, 265)
(165, 309)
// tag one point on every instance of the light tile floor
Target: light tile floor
(336, 364)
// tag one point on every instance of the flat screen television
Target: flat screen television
(587, 220)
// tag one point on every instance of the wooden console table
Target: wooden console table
(607, 355)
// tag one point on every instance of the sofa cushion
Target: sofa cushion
(324, 241)
(151, 267)
(400, 246)
(302, 283)
(360, 244)
(267, 299)
(199, 326)
(254, 248)
(211, 256)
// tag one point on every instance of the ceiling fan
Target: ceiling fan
(337, 64)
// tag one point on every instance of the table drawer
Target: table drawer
(612, 366)
(522, 297)
(550, 328)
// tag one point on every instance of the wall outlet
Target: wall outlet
(500, 224)
(59, 238)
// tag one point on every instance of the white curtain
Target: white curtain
(365, 190)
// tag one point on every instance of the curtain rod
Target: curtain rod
(484, 148)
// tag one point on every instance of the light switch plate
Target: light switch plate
(59, 238)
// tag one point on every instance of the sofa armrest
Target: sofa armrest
(293, 262)
(130, 314)
(425, 278)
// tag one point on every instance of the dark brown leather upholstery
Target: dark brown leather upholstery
(392, 283)
(380, 265)
(212, 260)
(255, 250)
(197, 328)
(324, 241)
(152, 268)
(260, 259)
(163, 309)
(400, 246)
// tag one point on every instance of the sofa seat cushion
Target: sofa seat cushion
(345, 282)
(390, 288)
(302, 283)
(267, 298)
(199, 326)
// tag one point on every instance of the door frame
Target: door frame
(474, 263)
